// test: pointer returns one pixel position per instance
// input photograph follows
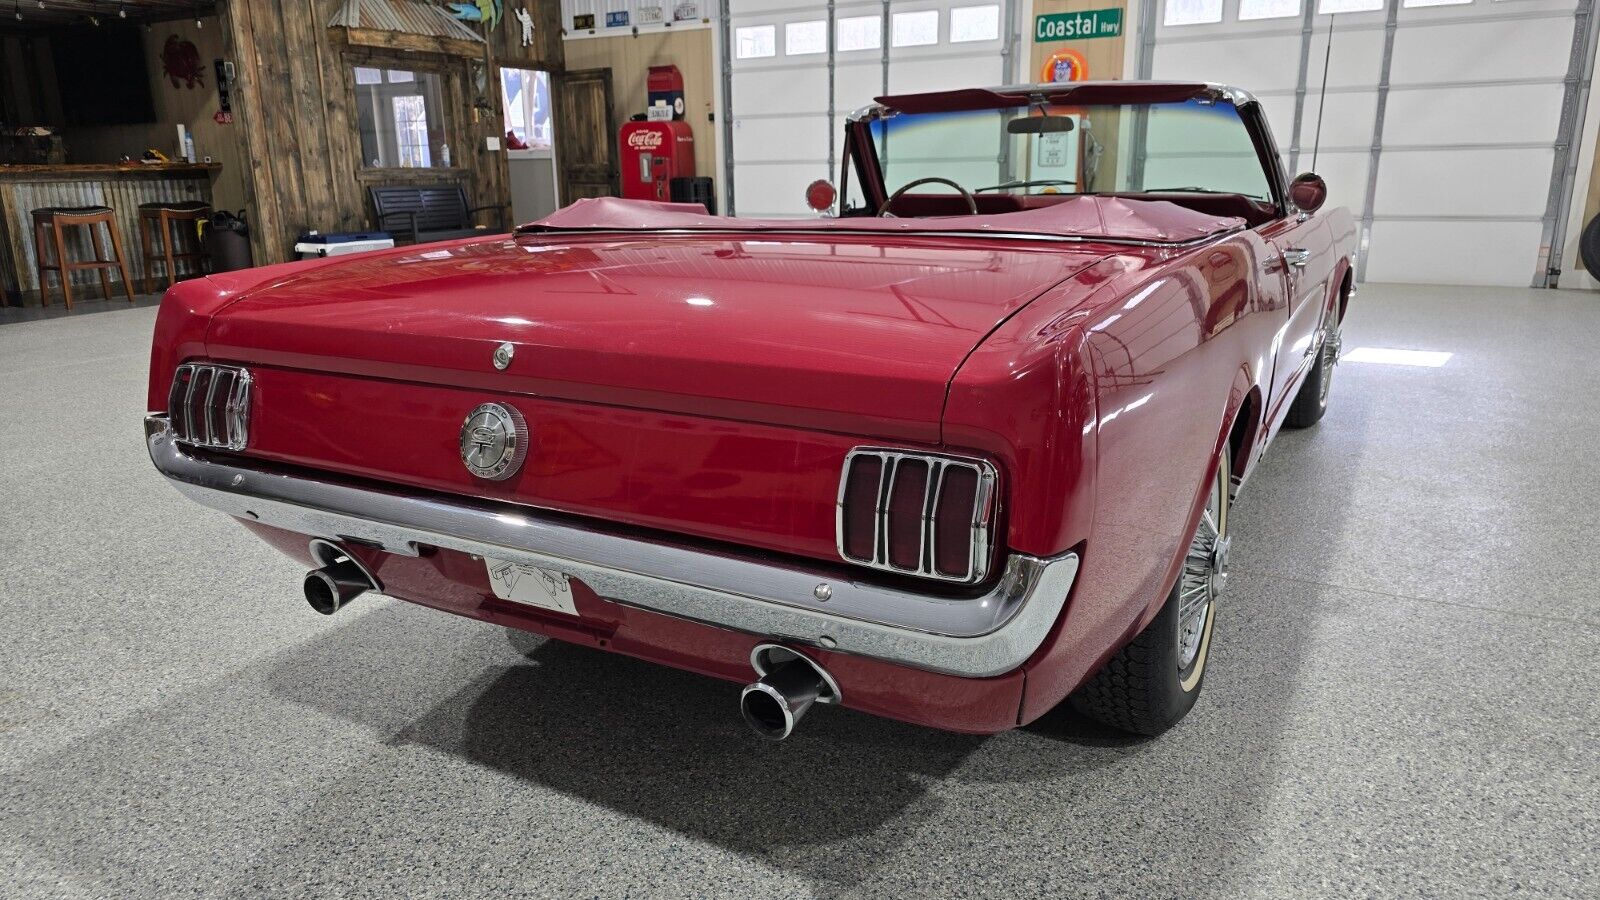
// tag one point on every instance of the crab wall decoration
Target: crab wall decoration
(180, 62)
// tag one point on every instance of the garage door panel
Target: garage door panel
(1464, 51)
(1346, 120)
(1356, 62)
(1280, 118)
(755, 91)
(1501, 253)
(765, 10)
(788, 137)
(908, 75)
(1464, 172)
(775, 190)
(1346, 175)
(857, 84)
(1500, 114)
(1256, 64)
(1464, 182)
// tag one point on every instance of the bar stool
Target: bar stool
(57, 219)
(161, 215)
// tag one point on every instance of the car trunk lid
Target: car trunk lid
(847, 333)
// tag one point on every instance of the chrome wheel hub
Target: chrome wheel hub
(1205, 574)
(1330, 358)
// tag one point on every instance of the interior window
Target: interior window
(401, 118)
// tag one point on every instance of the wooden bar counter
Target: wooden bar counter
(119, 186)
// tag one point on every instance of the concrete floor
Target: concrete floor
(1403, 699)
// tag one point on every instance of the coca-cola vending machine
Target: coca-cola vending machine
(652, 154)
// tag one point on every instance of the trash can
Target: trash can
(695, 190)
(227, 240)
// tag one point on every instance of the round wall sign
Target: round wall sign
(1064, 65)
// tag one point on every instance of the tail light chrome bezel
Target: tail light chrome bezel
(222, 419)
(985, 509)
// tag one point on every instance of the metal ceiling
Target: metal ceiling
(45, 13)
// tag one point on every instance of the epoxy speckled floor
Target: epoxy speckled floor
(1403, 700)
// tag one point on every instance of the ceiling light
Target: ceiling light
(1389, 356)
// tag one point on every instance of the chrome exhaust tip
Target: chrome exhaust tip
(790, 683)
(341, 578)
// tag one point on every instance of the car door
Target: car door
(1301, 264)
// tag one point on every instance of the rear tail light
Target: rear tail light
(209, 406)
(917, 513)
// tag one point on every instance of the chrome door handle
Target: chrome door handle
(1297, 258)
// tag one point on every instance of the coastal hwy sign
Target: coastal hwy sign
(1078, 26)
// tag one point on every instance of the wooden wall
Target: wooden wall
(293, 107)
(630, 57)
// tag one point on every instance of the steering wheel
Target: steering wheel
(972, 205)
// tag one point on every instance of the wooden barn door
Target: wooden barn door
(585, 134)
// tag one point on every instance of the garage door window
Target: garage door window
(756, 42)
(805, 38)
(974, 23)
(1325, 7)
(860, 33)
(1250, 10)
(916, 29)
(1193, 12)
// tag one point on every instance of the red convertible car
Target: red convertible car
(956, 452)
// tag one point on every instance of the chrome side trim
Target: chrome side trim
(755, 233)
(972, 637)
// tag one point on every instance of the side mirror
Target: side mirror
(1308, 192)
(820, 195)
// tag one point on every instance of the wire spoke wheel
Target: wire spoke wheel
(1154, 680)
(1329, 359)
(1205, 572)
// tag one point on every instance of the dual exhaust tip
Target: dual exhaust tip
(340, 579)
(789, 685)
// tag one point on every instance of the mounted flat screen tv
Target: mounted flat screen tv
(103, 76)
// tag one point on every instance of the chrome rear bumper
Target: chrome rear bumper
(974, 637)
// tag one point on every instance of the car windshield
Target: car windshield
(1198, 146)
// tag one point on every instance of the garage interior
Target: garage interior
(1402, 700)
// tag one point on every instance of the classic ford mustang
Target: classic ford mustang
(952, 455)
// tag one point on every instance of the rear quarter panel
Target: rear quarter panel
(1147, 357)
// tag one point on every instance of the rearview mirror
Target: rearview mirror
(1040, 125)
(1308, 192)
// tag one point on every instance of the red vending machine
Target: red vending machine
(652, 154)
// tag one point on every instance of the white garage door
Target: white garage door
(778, 53)
(1442, 123)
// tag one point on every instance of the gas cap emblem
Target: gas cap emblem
(494, 441)
(503, 354)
